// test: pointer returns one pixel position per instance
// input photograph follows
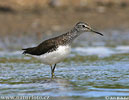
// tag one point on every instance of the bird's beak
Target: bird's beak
(96, 32)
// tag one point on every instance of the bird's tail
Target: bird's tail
(28, 50)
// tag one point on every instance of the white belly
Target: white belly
(56, 56)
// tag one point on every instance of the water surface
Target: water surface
(96, 68)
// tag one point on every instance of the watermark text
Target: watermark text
(24, 97)
(117, 97)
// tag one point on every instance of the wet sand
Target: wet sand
(52, 20)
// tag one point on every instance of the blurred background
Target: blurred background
(96, 68)
(37, 18)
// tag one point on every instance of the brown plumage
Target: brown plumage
(64, 39)
(47, 45)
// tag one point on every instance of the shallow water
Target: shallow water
(93, 71)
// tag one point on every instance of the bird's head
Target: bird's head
(84, 27)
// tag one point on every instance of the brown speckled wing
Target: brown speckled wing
(48, 45)
(44, 47)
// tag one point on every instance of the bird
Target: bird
(56, 49)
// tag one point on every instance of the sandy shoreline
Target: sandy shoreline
(51, 20)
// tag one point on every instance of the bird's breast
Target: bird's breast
(64, 50)
(56, 56)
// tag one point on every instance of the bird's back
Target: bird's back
(47, 45)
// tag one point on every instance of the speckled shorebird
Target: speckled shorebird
(54, 50)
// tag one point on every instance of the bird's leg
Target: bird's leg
(53, 70)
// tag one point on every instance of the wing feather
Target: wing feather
(44, 47)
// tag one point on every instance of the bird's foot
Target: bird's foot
(52, 75)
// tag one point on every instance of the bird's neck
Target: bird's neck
(74, 33)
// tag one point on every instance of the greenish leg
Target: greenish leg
(52, 71)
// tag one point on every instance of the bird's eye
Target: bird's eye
(83, 26)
